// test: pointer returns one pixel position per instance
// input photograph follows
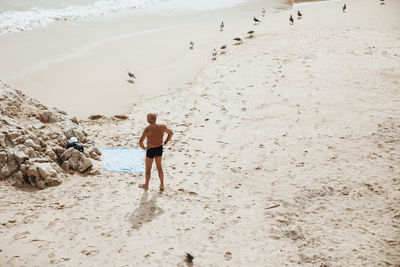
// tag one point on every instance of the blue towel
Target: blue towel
(124, 159)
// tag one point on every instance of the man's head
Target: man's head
(151, 118)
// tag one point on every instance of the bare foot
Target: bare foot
(162, 187)
(144, 186)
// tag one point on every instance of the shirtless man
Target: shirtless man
(154, 134)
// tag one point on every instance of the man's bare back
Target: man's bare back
(155, 134)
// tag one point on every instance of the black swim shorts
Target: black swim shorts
(154, 152)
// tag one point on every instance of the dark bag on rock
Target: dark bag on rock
(77, 146)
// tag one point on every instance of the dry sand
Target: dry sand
(286, 152)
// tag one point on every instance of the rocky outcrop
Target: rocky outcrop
(33, 142)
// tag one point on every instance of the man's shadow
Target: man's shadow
(146, 212)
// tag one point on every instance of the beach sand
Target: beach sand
(285, 153)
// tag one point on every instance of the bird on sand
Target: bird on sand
(251, 34)
(382, 2)
(131, 76)
(299, 15)
(263, 12)
(238, 40)
(291, 19)
(189, 257)
(221, 27)
(223, 49)
(191, 44)
(344, 8)
(256, 21)
(214, 54)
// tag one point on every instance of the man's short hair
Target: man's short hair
(152, 116)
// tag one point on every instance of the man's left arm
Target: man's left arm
(170, 133)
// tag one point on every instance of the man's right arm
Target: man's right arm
(141, 141)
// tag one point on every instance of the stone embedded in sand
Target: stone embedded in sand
(95, 117)
(121, 117)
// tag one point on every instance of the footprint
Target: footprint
(21, 235)
(90, 251)
(56, 261)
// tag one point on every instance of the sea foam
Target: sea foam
(15, 21)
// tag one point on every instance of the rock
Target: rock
(52, 155)
(61, 112)
(74, 120)
(17, 176)
(97, 151)
(33, 140)
(9, 169)
(121, 117)
(75, 160)
(30, 143)
(20, 157)
(93, 152)
(3, 157)
(46, 116)
(95, 117)
(73, 130)
(42, 174)
(38, 125)
(58, 150)
(94, 172)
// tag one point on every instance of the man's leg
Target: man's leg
(149, 163)
(160, 172)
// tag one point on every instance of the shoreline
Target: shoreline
(40, 79)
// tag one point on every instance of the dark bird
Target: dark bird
(251, 34)
(191, 44)
(130, 74)
(291, 19)
(299, 15)
(382, 2)
(263, 12)
(344, 8)
(221, 27)
(223, 49)
(189, 257)
(256, 21)
(238, 40)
